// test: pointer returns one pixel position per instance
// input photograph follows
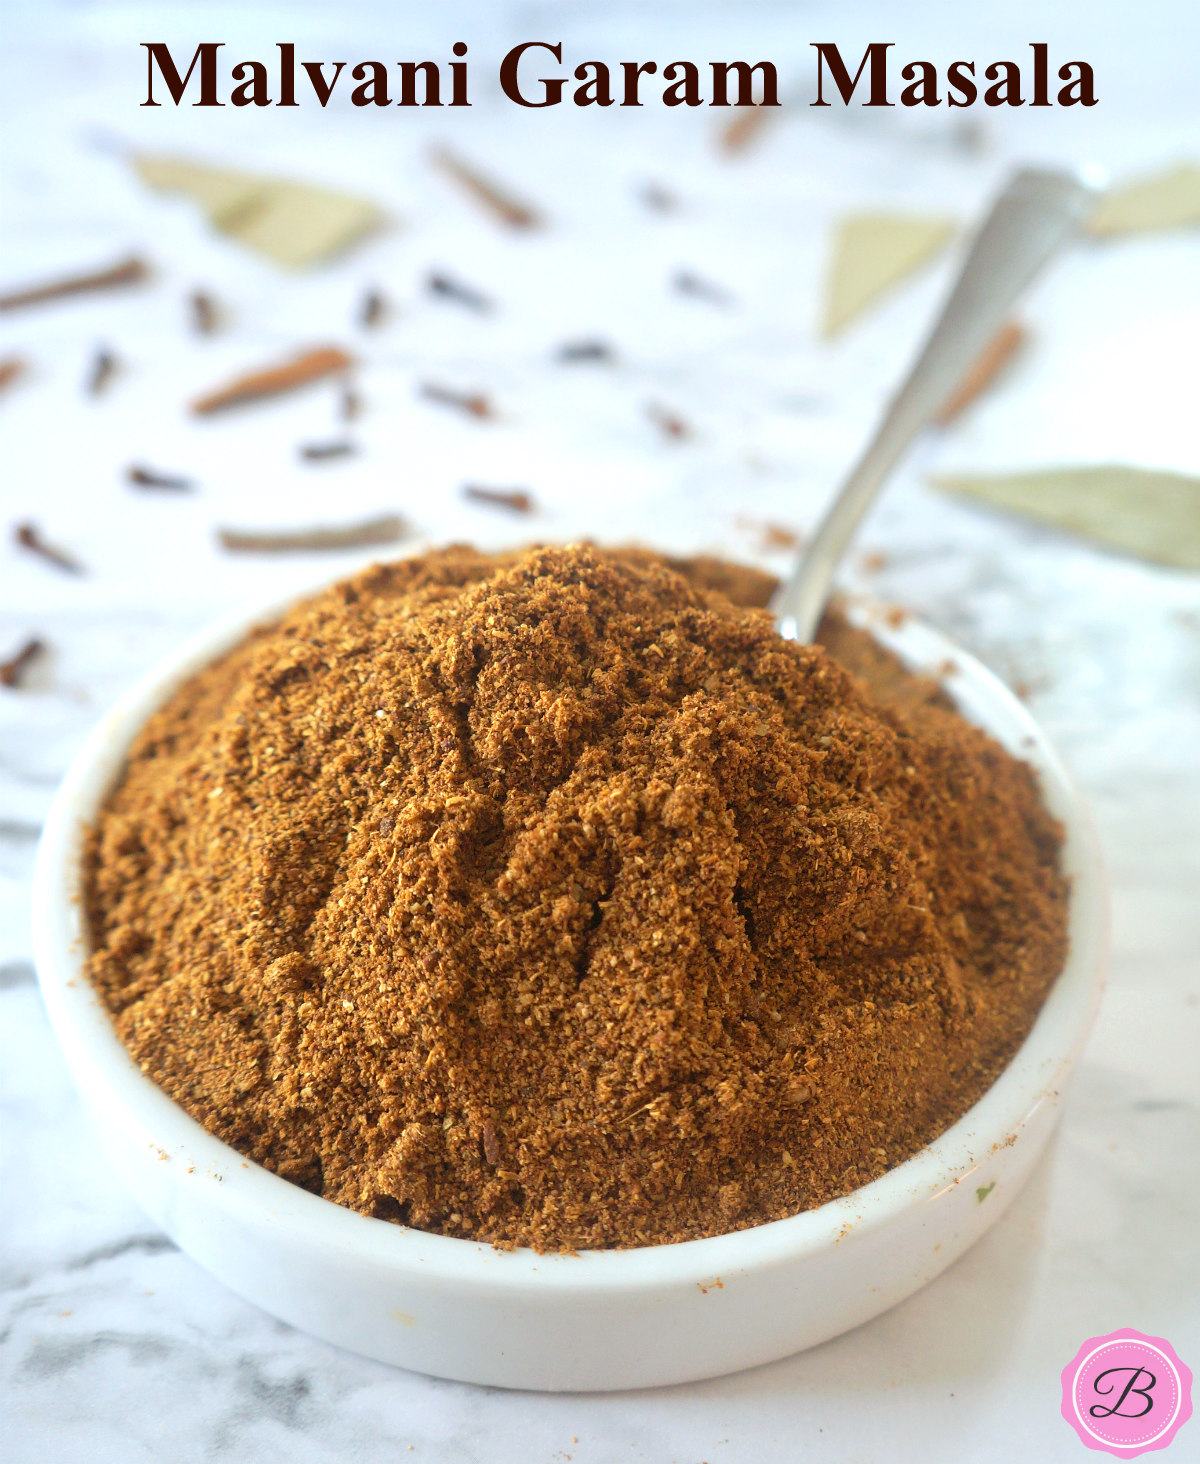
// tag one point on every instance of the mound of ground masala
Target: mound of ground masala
(553, 899)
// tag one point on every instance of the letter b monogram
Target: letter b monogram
(1102, 1386)
(1126, 1393)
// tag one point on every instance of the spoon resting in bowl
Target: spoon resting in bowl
(1037, 212)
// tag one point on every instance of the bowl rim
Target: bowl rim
(1032, 1077)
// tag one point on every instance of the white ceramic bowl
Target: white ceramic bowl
(603, 1319)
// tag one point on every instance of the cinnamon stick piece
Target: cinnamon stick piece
(994, 357)
(386, 529)
(275, 380)
(515, 499)
(129, 271)
(485, 190)
(745, 126)
(12, 671)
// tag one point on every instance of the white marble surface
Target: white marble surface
(113, 1346)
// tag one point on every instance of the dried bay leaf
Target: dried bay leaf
(294, 224)
(300, 224)
(223, 195)
(872, 252)
(1140, 511)
(1162, 201)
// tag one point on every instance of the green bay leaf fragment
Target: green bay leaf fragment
(1167, 200)
(873, 252)
(293, 224)
(1140, 511)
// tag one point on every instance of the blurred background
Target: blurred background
(624, 316)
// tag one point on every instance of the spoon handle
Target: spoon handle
(1036, 213)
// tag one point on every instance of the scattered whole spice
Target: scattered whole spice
(292, 223)
(350, 405)
(104, 367)
(11, 369)
(452, 289)
(322, 452)
(687, 283)
(658, 199)
(12, 671)
(143, 477)
(670, 423)
(515, 499)
(485, 190)
(206, 314)
(130, 271)
(745, 126)
(374, 310)
(988, 365)
(388, 528)
(474, 403)
(299, 371)
(29, 536)
(772, 536)
(554, 899)
(578, 351)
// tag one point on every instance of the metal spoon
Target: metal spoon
(1036, 213)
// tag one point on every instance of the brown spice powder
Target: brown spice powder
(552, 899)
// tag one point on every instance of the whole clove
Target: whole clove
(29, 536)
(516, 500)
(579, 351)
(129, 271)
(452, 289)
(387, 529)
(12, 671)
(104, 368)
(143, 477)
(374, 310)
(206, 314)
(320, 452)
(472, 402)
(275, 380)
(350, 406)
(699, 288)
(486, 191)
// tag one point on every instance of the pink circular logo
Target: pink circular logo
(1126, 1393)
